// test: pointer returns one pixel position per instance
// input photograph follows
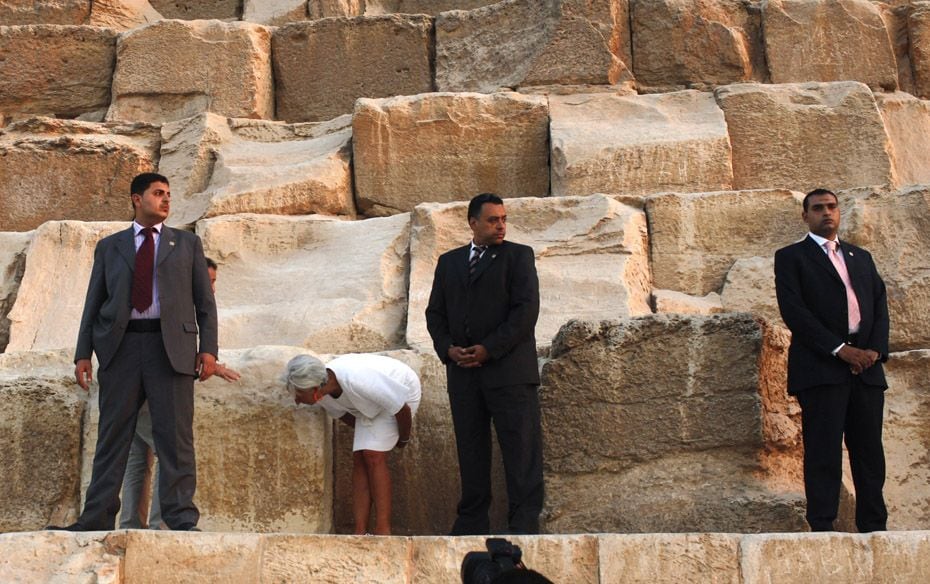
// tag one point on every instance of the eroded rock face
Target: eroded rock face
(12, 265)
(683, 423)
(16, 12)
(433, 7)
(55, 556)
(171, 70)
(639, 144)
(62, 169)
(907, 121)
(56, 70)
(530, 42)
(666, 301)
(444, 147)
(122, 14)
(198, 9)
(590, 258)
(276, 283)
(327, 8)
(805, 136)
(750, 287)
(274, 12)
(828, 40)
(918, 30)
(669, 557)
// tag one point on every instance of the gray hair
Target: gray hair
(305, 371)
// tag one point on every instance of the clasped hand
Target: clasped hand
(858, 359)
(468, 357)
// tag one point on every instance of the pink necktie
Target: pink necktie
(852, 304)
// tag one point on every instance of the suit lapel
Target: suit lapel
(487, 259)
(166, 243)
(460, 263)
(127, 247)
(819, 257)
(852, 267)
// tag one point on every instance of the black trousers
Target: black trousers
(830, 413)
(514, 410)
(141, 371)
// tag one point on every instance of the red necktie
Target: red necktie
(852, 303)
(142, 276)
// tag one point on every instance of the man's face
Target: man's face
(212, 273)
(153, 205)
(822, 215)
(491, 227)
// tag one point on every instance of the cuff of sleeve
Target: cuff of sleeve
(837, 350)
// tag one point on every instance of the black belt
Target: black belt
(144, 325)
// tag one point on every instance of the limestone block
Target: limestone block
(278, 284)
(907, 121)
(794, 557)
(918, 31)
(55, 70)
(16, 12)
(780, 133)
(681, 303)
(327, 8)
(172, 70)
(527, 42)
(432, 7)
(321, 67)
(443, 147)
(900, 557)
(695, 238)
(590, 258)
(669, 558)
(255, 166)
(198, 9)
(274, 12)
(685, 43)
(46, 315)
(285, 558)
(55, 556)
(604, 143)
(750, 287)
(683, 430)
(828, 40)
(122, 14)
(198, 558)
(12, 264)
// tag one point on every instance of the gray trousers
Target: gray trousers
(134, 478)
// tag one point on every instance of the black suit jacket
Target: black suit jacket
(812, 301)
(500, 304)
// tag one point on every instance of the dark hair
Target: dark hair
(142, 182)
(474, 206)
(211, 263)
(817, 193)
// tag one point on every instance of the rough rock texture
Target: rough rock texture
(810, 558)
(681, 303)
(605, 143)
(274, 12)
(15, 12)
(354, 559)
(172, 70)
(62, 169)
(750, 287)
(918, 28)
(201, 559)
(590, 258)
(685, 43)
(684, 451)
(444, 147)
(907, 121)
(198, 9)
(804, 136)
(692, 557)
(695, 239)
(55, 70)
(432, 7)
(321, 67)
(828, 40)
(122, 14)
(531, 42)
(327, 8)
(254, 166)
(12, 264)
(278, 288)
(55, 556)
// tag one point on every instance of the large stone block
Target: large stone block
(122, 14)
(638, 144)
(55, 556)
(321, 67)
(750, 287)
(518, 43)
(295, 281)
(804, 136)
(432, 7)
(274, 12)
(342, 559)
(60, 169)
(444, 147)
(221, 166)
(328, 8)
(172, 70)
(695, 239)
(900, 556)
(687, 43)
(828, 40)
(55, 70)
(151, 556)
(590, 257)
(918, 31)
(669, 558)
(793, 557)
(683, 417)
(12, 265)
(907, 121)
(15, 12)
(199, 9)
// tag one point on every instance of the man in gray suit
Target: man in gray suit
(148, 298)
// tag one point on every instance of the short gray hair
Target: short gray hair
(305, 371)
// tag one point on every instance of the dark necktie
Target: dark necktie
(475, 258)
(142, 276)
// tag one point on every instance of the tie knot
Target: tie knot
(831, 245)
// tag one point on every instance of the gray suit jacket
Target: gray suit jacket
(184, 293)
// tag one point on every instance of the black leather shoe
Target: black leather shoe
(187, 527)
(72, 527)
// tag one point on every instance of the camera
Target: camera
(502, 559)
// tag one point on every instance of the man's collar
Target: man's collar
(820, 240)
(136, 228)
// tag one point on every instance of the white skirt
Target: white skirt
(379, 433)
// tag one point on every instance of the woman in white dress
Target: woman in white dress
(378, 397)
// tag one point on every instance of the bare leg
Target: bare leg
(379, 479)
(361, 495)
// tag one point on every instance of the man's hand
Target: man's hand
(474, 356)
(858, 359)
(205, 365)
(83, 372)
(456, 353)
(225, 373)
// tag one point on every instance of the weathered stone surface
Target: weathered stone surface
(590, 257)
(321, 67)
(198, 9)
(907, 121)
(61, 169)
(900, 557)
(668, 558)
(828, 40)
(151, 556)
(792, 557)
(122, 14)
(681, 303)
(15, 12)
(55, 70)
(50, 556)
(12, 264)
(918, 30)
(527, 42)
(804, 136)
(327, 8)
(351, 559)
(230, 166)
(172, 70)
(685, 43)
(265, 259)
(274, 12)
(696, 238)
(433, 7)
(605, 143)
(444, 147)
(750, 287)
(680, 452)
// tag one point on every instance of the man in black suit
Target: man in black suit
(148, 297)
(832, 299)
(482, 317)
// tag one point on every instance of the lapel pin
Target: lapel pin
(171, 243)
(493, 255)
(850, 253)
